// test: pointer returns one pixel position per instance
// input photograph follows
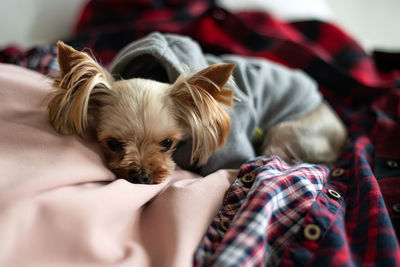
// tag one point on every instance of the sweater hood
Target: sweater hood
(161, 57)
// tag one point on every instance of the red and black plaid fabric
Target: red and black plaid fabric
(363, 89)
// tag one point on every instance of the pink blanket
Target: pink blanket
(60, 205)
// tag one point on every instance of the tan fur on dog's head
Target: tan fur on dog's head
(138, 122)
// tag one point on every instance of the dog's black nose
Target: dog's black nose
(138, 177)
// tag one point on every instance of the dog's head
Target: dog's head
(138, 122)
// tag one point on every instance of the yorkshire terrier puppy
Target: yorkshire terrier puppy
(138, 122)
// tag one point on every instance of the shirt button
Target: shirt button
(224, 224)
(333, 194)
(337, 172)
(312, 232)
(248, 178)
(396, 207)
(392, 164)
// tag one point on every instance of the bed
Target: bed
(60, 205)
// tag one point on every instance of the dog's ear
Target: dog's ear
(202, 102)
(81, 82)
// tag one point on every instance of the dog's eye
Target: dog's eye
(166, 144)
(115, 145)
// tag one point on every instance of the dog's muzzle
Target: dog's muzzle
(138, 177)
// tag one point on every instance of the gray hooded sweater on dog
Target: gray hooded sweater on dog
(269, 93)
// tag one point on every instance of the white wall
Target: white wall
(31, 22)
(284, 9)
(374, 22)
